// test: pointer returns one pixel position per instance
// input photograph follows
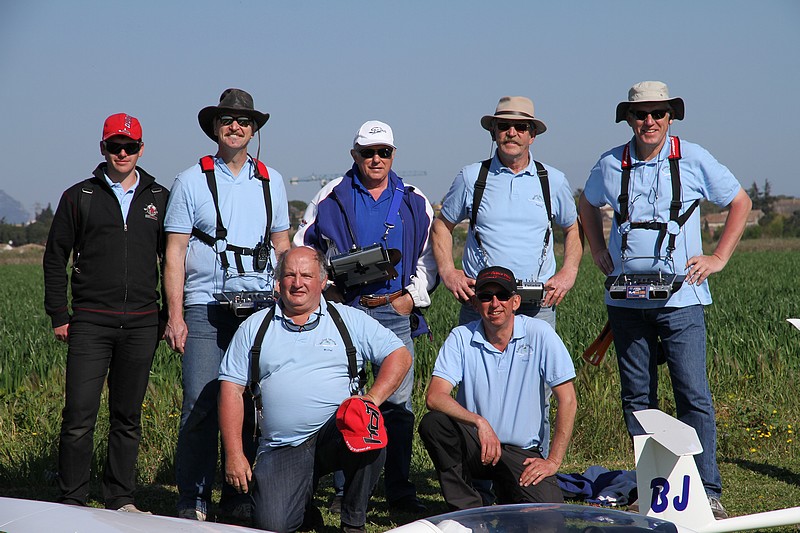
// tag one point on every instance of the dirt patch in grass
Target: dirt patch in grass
(27, 254)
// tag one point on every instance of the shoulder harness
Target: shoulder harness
(676, 220)
(357, 379)
(221, 233)
(480, 186)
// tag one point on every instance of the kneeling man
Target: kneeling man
(495, 427)
(303, 376)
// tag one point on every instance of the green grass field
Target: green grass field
(753, 366)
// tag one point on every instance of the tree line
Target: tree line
(772, 224)
(33, 233)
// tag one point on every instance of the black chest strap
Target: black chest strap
(221, 233)
(357, 379)
(480, 187)
(674, 207)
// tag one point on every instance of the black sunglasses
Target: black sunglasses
(369, 153)
(503, 296)
(227, 120)
(657, 114)
(130, 148)
(521, 127)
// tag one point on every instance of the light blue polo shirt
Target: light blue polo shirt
(241, 204)
(305, 374)
(123, 197)
(702, 177)
(507, 388)
(512, 218)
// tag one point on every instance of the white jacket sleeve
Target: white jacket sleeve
(425, 277)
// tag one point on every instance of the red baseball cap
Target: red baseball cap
(122, 124)
(361, 425)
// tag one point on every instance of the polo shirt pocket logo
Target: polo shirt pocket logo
(538, 200)
(327, 344)
(524, 352)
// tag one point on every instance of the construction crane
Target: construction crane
(323, 179)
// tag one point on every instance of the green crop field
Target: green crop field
(753, 366)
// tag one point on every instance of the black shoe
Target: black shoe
(352, 529)
(408, 504)
(312, 519)
(335, 506)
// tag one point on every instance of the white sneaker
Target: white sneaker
(717, 509)
(192, 514)
(130, 508)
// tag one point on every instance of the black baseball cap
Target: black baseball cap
(496, 274)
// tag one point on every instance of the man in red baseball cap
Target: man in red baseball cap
(112, 224)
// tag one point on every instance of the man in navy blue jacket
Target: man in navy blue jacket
(370, 205)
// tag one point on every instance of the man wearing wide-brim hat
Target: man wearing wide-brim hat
(510, 226)
(654, 183)
(227, 221)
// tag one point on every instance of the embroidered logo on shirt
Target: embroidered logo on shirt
(538, 200)
(524, 352)
(327, 344)
(151, 212)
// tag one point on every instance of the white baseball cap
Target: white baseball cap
(374, 132)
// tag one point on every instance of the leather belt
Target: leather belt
(377, 300)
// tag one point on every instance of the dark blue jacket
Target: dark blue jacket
(325, 227)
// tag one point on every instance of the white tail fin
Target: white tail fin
(669, 483)
(794, 321)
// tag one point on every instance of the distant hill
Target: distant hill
(11, 211)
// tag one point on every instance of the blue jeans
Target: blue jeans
(397, 411)
(210, 331)
(682, 331)
(285, 479)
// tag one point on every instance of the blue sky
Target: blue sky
(430, 69)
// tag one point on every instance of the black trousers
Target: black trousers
(124, 356)
(456, 454)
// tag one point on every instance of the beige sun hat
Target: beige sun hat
(650, 91)
(514, 108)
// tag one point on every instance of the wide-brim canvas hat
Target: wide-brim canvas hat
(235, 102)
(650, 91)
(514, 108)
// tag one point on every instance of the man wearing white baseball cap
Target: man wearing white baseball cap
(654, 183)
(371, 208)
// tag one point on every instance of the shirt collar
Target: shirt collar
(663, 154)
(115, 185)
(479, 335)
(497, 166)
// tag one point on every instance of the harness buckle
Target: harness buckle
(220, 245)
(673, 227)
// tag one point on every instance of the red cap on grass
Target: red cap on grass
(361, 425)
